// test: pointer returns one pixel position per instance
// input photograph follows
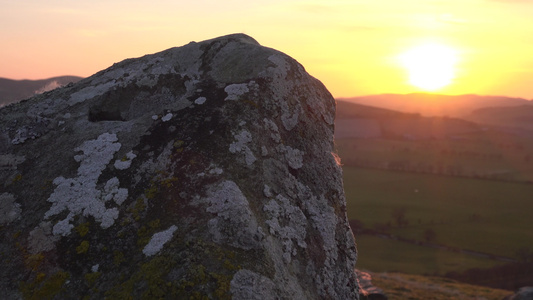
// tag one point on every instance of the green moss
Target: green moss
(145, 233)
(178, 146)
(91, 278)
(138, 209)
(151, 278)
(83, 247)
(169, 182)
(155, 224)
(34, 261)
(222, 288)
(152, 191)
(207, 271)
(118, 258)
(82, 229)
(44, 288)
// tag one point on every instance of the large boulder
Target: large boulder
(206, 171)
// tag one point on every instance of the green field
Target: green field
(481, 215)
(488, 155)
(384, 255)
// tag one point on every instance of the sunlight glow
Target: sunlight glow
(430, 66)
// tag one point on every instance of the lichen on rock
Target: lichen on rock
(80, 195)
(197, 172)
(9, 209)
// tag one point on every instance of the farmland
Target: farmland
(465, 213)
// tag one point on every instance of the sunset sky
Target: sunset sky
(355, 47)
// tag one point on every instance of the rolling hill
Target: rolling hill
(15, 90)
(437, 105)
(361, 121)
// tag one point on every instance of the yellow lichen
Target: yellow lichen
(41, 288)
(118, 258)
(83, 247)
(138, 209)
(91, 278)
(169, 182)
(34, 261)
(82, 229)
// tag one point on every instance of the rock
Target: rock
(203, 171)
(525, 293)
(366, 289)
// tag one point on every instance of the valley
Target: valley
(436, 195)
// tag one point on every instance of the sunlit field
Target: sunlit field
(487, 216)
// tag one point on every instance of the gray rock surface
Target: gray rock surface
(525, 293)
(205, 171)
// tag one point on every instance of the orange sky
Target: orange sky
(352, 46)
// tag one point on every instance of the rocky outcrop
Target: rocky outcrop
(525, 293)
(204, 171)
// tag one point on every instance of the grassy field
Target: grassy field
(384, 255)
(481, 215)
(401, 286)
(481, 155)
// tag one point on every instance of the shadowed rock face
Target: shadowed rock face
(204, 170)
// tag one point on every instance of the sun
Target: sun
(430, 66)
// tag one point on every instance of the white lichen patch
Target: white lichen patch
(159, 240)
(288, 118)
(200, 100)
(273, 128)
(80, 195)
(95, 268)
(282, 66)
(167, 117)
(113, 192)
(124, 164)
(249, 285)
(9, 209)
(90, 92)
(216, 171)
(287, 222)
(234, 223)
(264, 151)
(293, 156)
(41, 238)
(10, 161)
(234, 91)
(239, 146)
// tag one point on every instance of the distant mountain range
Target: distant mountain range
(15, 90)
(437, 105)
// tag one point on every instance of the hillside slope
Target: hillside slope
(435, 104)
(361, 121)
(16, 90)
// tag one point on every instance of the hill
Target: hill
(437, 105)
(361, 121)
(511, 116)
(15, 90)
